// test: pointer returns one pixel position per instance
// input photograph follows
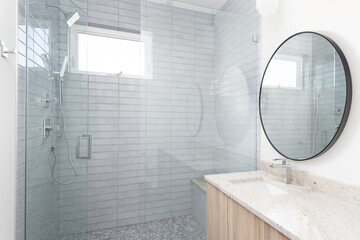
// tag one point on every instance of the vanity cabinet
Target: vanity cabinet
(228, 220)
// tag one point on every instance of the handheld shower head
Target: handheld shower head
(63, 67)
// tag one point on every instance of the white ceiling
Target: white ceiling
(213, 4)
(206, 6)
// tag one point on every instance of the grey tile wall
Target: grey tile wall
(199, 205)
(38, 33)
(72, 197)
(41, 191)
(150, 137)
(144, 154)
(235, 139)
(20, 184)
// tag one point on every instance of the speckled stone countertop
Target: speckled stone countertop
(305, 212)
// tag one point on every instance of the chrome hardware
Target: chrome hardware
(45, 100)
(55, 76)
(5, 51)
(284, 165)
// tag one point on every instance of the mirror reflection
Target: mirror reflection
(303, 96)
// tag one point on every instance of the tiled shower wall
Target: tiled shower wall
(20, 184)
(183, 112)
(150, 136)
(41, 193)
(144, 151)
(236, 87)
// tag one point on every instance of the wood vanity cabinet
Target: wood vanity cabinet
(228, 220)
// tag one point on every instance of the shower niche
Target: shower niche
(305, 96)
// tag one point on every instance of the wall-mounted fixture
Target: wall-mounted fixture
(45, 100)
(4, 51)
(267, 7)
(255, 39)
(297, 99)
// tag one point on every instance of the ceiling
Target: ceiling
(213, 4)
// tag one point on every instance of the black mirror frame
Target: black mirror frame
(347, 101)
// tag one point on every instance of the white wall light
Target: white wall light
(267, 7)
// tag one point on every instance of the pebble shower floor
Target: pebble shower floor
(177, 228)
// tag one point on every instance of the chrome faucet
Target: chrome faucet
(286, 170)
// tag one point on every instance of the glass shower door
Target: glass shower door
(56, 124)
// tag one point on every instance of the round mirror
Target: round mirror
(305, 96)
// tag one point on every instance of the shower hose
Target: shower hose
(53, 149)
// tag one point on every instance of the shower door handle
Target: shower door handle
(5, 51)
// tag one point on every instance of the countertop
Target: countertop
(303, 213)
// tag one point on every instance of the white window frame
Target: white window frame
(145, 37)
(299, 64)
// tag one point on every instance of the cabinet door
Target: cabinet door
(270, 233)
(216, 207)
(228, 220)
(242, 224)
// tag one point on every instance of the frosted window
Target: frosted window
(282, 73)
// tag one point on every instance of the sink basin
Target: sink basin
(258, 187)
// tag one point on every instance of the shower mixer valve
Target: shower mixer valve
(45, 100)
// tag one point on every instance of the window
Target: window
(285, 72)
(109, 52)
(38, 46)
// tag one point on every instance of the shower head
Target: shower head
(64, 65)
(72, 18)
